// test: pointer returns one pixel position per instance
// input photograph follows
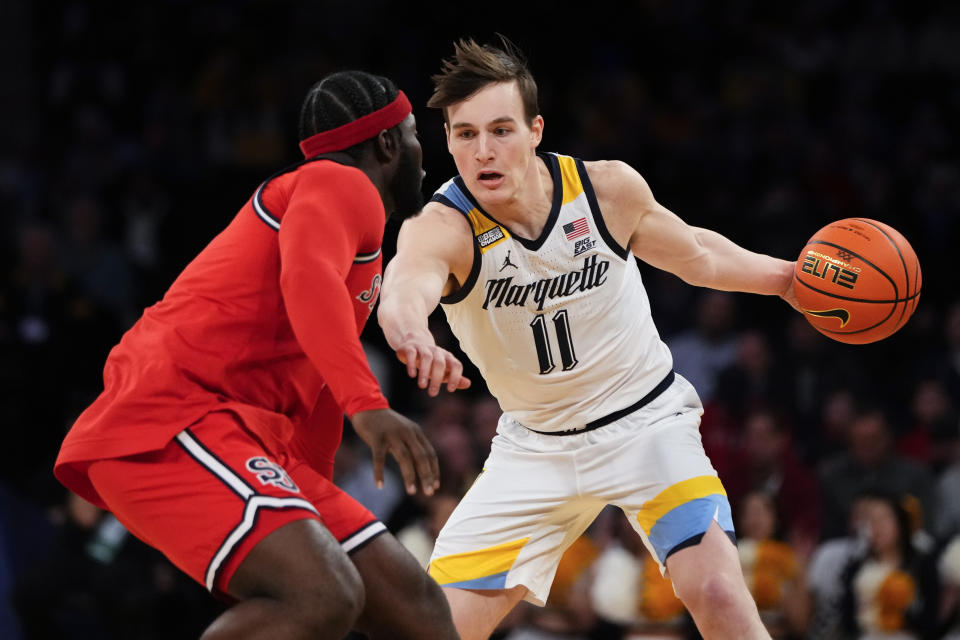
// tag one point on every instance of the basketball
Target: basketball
(857, 280)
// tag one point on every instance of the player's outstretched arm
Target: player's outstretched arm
(698, 256)
(430, 248)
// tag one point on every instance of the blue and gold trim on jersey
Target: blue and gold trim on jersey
(487, 232)
(481, 569)
(572, 186)
(684, 511)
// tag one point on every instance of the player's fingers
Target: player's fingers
(379, 458)
(425, 459)
(408, 356)
(454, 373)
(464, 383)
(434, 479)
(437, 372)
(404, 459)
(424, 366)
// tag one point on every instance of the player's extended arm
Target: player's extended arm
(428, 248)
(698, 256)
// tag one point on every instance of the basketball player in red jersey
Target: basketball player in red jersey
(214, 437)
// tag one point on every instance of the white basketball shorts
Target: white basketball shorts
(538, 493)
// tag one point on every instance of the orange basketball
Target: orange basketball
(857, 280)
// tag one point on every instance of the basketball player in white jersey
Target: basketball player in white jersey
(532, 258)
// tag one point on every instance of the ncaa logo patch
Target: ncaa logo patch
(269, 472)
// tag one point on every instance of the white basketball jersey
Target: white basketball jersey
(559, 326)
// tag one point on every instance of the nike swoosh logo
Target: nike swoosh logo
(842, 314)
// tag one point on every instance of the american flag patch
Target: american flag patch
(576, 228)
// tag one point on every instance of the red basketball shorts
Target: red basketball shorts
(214, 492)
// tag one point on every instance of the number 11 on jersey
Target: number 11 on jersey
(541, 339)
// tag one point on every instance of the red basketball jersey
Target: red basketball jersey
(265, 322)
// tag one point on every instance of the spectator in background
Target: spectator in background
(944, 362)
(949, 570)
(751, 380)
(700, 353)
(890, 591)
(145, 207)
(869, 461)
(446, 426)
(419, 535)
(568, 614)
(95, 262)
(946, 520)
(933, 433)
(53, 333)
(771, 567)
(483, 422)
(806, 368)
(812, 368)
(627, 591)
(769, 463)
(832, 431)
(99, 582)
(824, 576)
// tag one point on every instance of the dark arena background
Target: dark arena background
(131, 134)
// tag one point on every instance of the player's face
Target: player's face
(493, 145)
(407, 180)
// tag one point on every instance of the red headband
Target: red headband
(363, 128)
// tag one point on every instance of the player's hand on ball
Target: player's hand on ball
(790, 295)
(431, 365)
(385, 430)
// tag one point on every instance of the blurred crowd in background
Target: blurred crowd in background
(131, 134)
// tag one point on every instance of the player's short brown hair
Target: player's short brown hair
(474, 66)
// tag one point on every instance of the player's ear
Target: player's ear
(536, 131)
(386, 145)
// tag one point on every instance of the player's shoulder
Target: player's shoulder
(612, 174)
(437, 217)
(324, 175)
(439, 231)
(333, 170)
(617, 181)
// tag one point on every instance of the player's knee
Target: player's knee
(712, 593)
(334, 605)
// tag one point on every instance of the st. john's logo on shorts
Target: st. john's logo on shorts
(269, 472)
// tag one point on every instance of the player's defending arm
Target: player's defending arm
(319, 238)
(430, 250)
(698, 256)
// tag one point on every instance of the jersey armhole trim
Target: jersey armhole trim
(367, 257)
(261, 210)
(471, 280)
(623, 252)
